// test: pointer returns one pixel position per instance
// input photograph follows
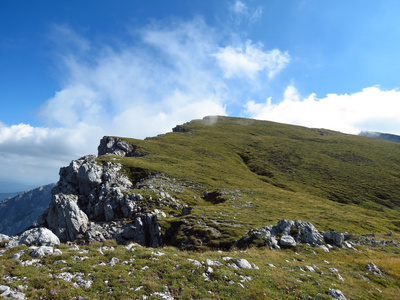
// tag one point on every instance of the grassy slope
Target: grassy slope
(272, 171)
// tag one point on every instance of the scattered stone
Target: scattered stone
(243, 264)
(44, 250)
(74, 247)
(113, 261)
(30, 262)
(195, 262)
(336, 294)
(158, 253)
(323, 247)
(309, 268)
(371, 267)
(7, 292)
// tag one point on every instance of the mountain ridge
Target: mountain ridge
(226, 208)
(175, 182)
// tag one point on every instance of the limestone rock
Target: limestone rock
(371, 267)
(116, 146)
(243, 264)
(336, 294)
(333, 237)
(287, 241)
(65, 218)
(39, 236)
(43, 250)
(284, 227)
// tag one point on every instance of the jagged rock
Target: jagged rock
(287, 241)
(371, 267)
(336, 294)
(116, 146)
(335, 238)
(39, 236)
(307, 233)
(65, 218)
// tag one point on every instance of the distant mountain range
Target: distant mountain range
(382, 136)
(12, 187)
(8, 195)
(21, 211)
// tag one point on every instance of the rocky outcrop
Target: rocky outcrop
(20, 212)
(116, 146)
(92, 201)
(287, 233)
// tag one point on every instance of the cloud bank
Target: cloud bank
(372, 109)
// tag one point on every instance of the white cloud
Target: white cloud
(242, 13)
(371, 109)
(248, 60)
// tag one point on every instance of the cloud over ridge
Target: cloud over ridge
(370, 109)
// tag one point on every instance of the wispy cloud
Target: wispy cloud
(248, 60)
(163, 75)
(242, 13)
(371, 109)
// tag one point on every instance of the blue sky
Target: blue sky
(74, 71)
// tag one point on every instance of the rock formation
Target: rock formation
(286, 233)
(92, 201)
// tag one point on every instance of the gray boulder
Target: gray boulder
(334, 238)
(287, 241)
(42, 251)
(39, 236)
(243, 264)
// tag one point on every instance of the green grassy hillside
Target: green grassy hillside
(238, 174)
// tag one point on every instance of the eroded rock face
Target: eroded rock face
(91, 199)
(116, 146)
